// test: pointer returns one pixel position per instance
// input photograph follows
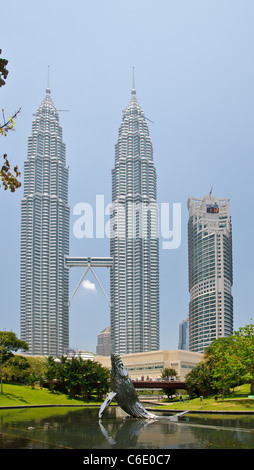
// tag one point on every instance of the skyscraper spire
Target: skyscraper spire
(133, 91)
(48, 89)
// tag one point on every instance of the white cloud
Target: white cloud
(88, 285)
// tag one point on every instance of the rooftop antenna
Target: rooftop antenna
(211, 190)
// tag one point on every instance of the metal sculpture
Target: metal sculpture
(124, 393)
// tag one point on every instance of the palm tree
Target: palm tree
(50, 373)
(61, 374)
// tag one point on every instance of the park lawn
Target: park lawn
(25, 395)
(235, 401)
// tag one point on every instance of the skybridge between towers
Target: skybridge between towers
(89, 263)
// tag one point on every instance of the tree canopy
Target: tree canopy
(77, 377)
(3, 70)
(8, 177)
(228, 362)
(10, 342)
(166, 373)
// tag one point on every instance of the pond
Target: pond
(80, 428)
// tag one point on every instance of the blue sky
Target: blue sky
(194, 75)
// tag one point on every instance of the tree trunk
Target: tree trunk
(252, 387)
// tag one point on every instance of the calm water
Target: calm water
(80, 428)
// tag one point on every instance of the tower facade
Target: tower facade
(45, 237)
(103, 347)
(210, 271)
(134, 238)
(184, 335)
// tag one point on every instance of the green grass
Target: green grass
(24, 395)
(235, 401)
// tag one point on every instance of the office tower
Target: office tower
(103, 347)
(134, 281)
(45, 237)
(210, 271)
(184, 335)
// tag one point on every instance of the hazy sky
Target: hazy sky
(194, 75)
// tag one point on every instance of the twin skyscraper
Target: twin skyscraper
(134, 243)
(45, 216)
(134, 281)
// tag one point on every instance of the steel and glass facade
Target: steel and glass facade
(134, 238)
(184, 335)
(210, 271)
(45, 237)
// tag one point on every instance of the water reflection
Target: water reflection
(80, 428)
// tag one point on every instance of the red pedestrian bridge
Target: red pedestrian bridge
(173, 384)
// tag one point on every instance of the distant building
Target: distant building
(45, 237)
(85, 355)
(80, 353)
(184, 335)
(210, 271)
(70, 353)
(151, 364)
(103, 347)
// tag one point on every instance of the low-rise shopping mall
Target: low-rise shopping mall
(151, 364)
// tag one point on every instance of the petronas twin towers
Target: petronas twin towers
(134, 281)
(45, 237)
(134, 242)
